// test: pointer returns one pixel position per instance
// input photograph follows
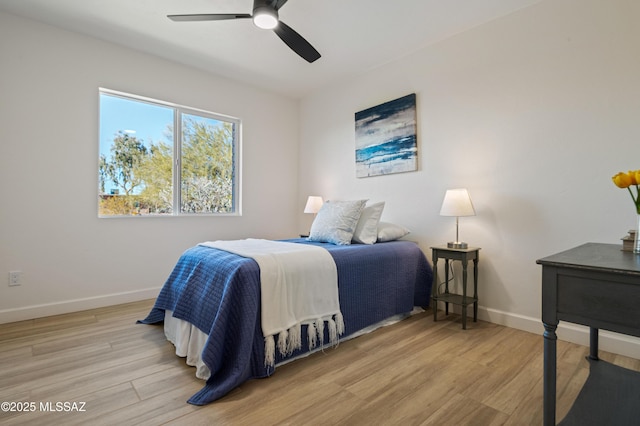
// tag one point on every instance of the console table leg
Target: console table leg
(593, 346)
(549, 375)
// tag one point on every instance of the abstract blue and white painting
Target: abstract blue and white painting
(386, 138)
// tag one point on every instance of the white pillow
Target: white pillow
(389, 232)
(336, 222)
(367, 227)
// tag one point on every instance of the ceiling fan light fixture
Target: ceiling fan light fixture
(265, 18)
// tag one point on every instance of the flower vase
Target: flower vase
(636, 240)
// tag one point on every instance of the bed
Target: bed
(219, 294)
(211, 303)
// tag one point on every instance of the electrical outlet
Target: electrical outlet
(15, 278)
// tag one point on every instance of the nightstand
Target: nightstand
(464, 256)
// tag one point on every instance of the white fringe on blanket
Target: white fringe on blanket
(290, 340)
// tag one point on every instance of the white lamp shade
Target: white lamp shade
(313, 205)
(457, 202)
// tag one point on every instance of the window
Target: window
(155, 156)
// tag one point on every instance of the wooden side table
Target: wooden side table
(464, 256)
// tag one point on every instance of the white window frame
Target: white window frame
(178, 111)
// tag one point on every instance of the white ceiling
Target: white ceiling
(353, 36)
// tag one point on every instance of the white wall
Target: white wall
(49, 228)
(533, 113)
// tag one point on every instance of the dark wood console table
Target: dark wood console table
(597, 285)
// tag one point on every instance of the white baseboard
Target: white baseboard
(620, 344)
(76, 305)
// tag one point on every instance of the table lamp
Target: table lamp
(457, 203)
(313, 205)
(314, 202)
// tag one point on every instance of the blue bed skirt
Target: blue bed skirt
(219, 292)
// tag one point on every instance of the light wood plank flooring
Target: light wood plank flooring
(414, 372)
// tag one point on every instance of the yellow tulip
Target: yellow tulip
(628, 180)
(622, 180)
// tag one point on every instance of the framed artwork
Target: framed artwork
(386, 138)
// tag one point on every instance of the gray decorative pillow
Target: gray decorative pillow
(367, 227)
(336, 222)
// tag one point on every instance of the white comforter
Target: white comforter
(299, 285)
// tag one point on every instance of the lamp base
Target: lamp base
(457, 245)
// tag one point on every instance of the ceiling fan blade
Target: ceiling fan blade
(296, 42)
(279, 3)
(208, 17)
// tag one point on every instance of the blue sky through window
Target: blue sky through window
(147, 122)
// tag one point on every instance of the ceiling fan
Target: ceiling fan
(265, 15)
